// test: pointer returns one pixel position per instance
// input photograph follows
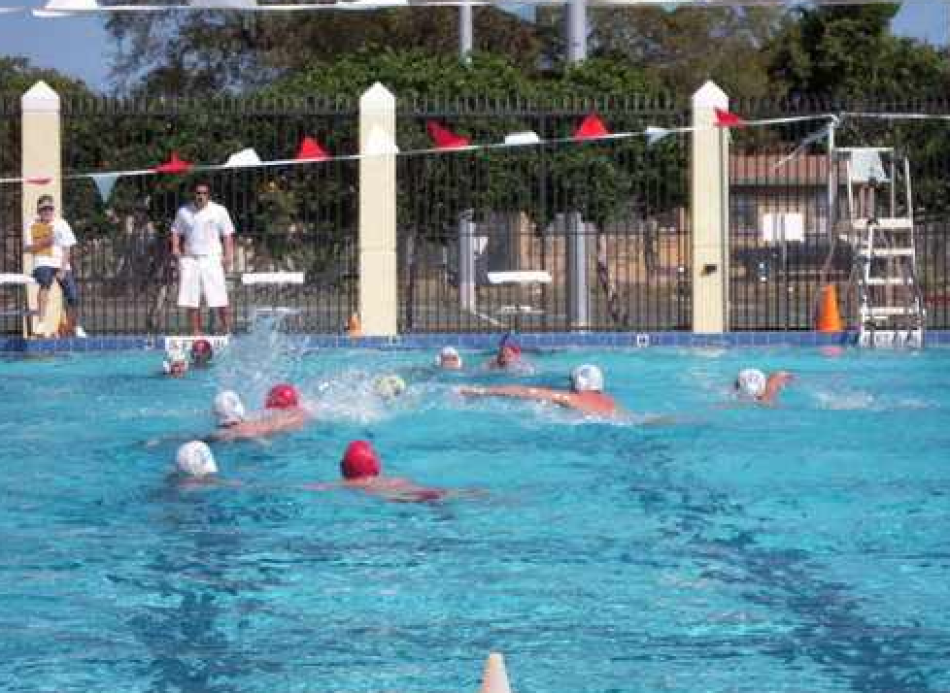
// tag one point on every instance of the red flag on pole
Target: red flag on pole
(39, 180)
(310, 150)
(725, 119)
(173, 165)
(592, 126)
(443, 138)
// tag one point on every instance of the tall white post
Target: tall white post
(41, 159)
(379, 285)
(710, 212)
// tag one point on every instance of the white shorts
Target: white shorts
(201, 275)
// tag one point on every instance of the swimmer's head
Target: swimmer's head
(751, 382)
(228, 408)
(175, 363)
(508, 351)
(449, 359)
(283, 396)
(359, 461)
(195, 459)
(389, 386)
(201, 352)
(587, 378)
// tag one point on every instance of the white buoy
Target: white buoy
(495, 678)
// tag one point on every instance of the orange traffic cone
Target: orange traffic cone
(353, 326)
(829, 319)
(495, 678)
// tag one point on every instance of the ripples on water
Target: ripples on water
(732, 548)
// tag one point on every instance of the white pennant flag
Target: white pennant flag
(655, 134)
(245, 157)
(520, 139)
(104, 184)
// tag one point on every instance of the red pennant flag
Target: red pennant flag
(39, 181)
(310, 150)
(725, 119)
(591, 127)
(443, 138)
(173, 165)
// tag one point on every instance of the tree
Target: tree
(849, 52)
(201, 52)
(681, 49)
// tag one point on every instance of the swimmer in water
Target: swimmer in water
(753, 385)
(362, 471)
(449, 359)
(195, 464)
(585, 396)
(389, 386)
(283, 414)
(175, 364)
(508, 356)
(201, 353)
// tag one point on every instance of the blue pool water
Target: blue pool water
(800, 548)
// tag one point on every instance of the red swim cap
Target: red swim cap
(201, 350)
(282, 396)
(359, 461)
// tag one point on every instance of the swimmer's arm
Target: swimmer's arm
(539, 394)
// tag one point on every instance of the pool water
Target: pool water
(694, 546)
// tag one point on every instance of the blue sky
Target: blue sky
(78, 46)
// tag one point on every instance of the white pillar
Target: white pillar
(41, 158)
(710, 212)
(379, 294)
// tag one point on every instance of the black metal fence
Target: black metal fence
(629, 201)
(625, 199)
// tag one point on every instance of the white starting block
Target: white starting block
(7, 279)
(182, 344)
(519, 278)
(17, 280)
(261, 278)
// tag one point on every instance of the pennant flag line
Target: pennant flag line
(380, 144)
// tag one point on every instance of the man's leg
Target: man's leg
(194, 318)
(42, 297)
(224, 315)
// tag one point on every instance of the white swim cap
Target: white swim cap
(587, 378)
(446, 354)
(195, 459)
(389, 386)
(228, 408)
(751, 382)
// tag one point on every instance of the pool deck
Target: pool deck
(547, 340)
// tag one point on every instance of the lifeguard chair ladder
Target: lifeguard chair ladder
(881, 234)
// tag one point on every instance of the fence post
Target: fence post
(466, 260)
(40, 159)
(379, 289)
(578, 287)
(710, 212)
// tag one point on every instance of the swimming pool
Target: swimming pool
(801, 548)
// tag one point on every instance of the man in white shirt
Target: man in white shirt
(50, 241)
(202, 231)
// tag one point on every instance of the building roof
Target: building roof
(763, 170)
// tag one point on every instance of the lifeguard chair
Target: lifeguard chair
(879, 226)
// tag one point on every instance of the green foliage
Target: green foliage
(850, 52)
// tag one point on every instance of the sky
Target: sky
(79, 47)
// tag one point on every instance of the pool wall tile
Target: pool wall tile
(482, 341)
